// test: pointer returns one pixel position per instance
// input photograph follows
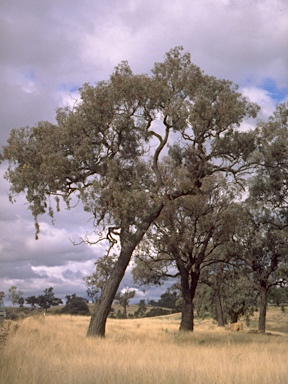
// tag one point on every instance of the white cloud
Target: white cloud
(262, 98)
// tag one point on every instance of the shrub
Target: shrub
(76, 305)
(157, 312)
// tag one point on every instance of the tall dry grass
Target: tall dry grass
(141, 351)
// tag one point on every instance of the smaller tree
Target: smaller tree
(170, 298)
(230, 294)
(21, 302)
(123, 299)
(140, 312)
(31, 300)
(96, 281)
(93, 294)
(75, 305)
(278, 295)
(14, 295)
(48, 299)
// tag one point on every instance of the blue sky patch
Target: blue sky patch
(277, 94)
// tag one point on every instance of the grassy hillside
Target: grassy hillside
(55, 349)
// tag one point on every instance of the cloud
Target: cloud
(261, 97)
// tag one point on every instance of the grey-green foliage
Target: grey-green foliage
(141, 310)
(225, 287)
(107, 150)
(123, 299)
(185, 239)
(48, 299)
(14, 295)
(270, 184)
(261, 243)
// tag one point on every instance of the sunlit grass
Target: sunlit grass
(55, 349)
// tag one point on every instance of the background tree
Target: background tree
(142, 308)
(261, 242)
(169, 298)
(31, 300)
(278, 296)
(230, 295)
(48, 299)
(270, 184)
(75, 305)
(185, 239)
(106, 151)
(14, 295)
(123, 298)
(21, 302)
(103, 268)
(92, 294)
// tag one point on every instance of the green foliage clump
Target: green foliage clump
(75, 305)
(157, 312)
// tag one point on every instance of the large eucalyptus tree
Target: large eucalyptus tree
(107, 149)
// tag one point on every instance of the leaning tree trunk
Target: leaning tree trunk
(103, 306)
(219, 309)
(263, 308)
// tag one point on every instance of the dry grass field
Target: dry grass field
(55, 349)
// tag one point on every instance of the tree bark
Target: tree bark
(187, 318)
(219, 309)
(103, 306)
(263, 308)
(188, 292)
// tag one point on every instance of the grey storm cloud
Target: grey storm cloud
(49, 49)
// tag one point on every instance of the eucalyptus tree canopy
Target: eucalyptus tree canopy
(107, 150)
(261, 242)
(231, 293)
(270, 184)
(267, 209)
(186, 238)
(123, 299)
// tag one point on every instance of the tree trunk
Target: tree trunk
(187, 318)
(103, 306)
(219, 309)
(188, 292)
(125, 311)
(263, 308)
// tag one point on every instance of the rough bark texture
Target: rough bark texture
(262, 308)
(103, 306)
(187, 318)
(188, 288)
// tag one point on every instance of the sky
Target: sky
(48, 49)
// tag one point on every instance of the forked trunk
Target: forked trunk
(263, 308)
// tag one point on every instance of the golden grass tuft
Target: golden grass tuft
(55, 349)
